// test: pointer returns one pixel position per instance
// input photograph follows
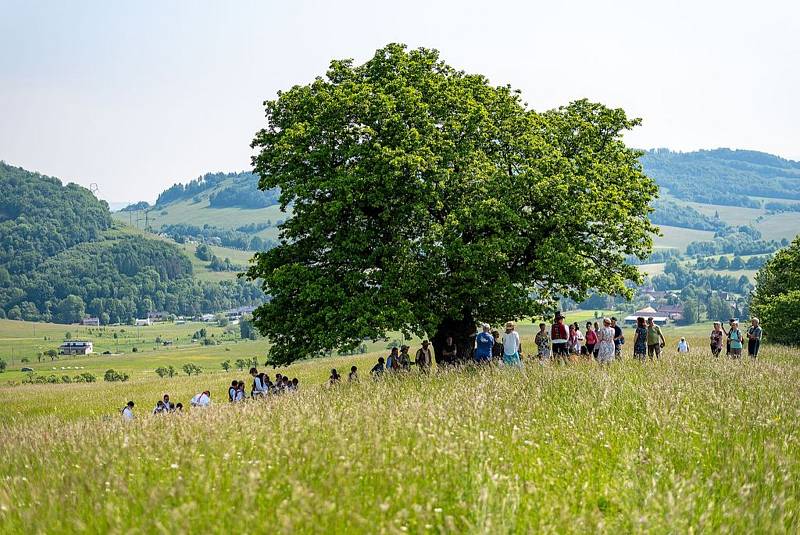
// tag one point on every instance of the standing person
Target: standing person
(511, 346)
(484, 342)
(424, 357)
(393, 360)
(640, 340)
(655, 339)
(754, 334)
(497, 347)
(605, 343)
(571, 339)
(727, 333)
(683, 345)
(542, 342)
(203, 399)
(449, 351)
(736, 340)
(404, 359)
(259, 387)
(591, 339)
(352, 377)
(232, 391)
(560, 338)
(716, 339)
(619, 338)
(127, 411)
(579, 338)
(378, 369)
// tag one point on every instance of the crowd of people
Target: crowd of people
(601, 341)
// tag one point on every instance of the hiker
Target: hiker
(683, 345)
(619, 338)
(232, 390)
(579, 339)
(404, 359)
(295, 385)
(640, 340)
(484, 342)
(335, 378)
(560, 337)
(378, 369)
(259, 388)
(352, 377)
(424, 357)
(591, 339)
(287, 383)
(159, 407)
(203, 399)
(392, 361)
(542, 341)
(655, 339)
(497, 347)
(716, 339)
(605, 343)
(127, 411)
(736, 340)
(168, 405)
(754, 334)
(571, 339)
(727, 333)
(449, 351)
(511, 346)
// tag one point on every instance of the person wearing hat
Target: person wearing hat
(511, 345)
(424, 356)
(560, 338)
(483, 344)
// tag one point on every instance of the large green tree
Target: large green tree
(425, 199)
(776, 299)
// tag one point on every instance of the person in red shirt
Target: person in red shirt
(560, 338)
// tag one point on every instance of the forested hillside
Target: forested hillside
(60, 259)
(723, 176)
(239, 190)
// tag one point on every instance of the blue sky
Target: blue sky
(134, 96)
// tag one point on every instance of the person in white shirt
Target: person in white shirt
(127, 411)
(259, 388)
(683, 346)
(203, 399)
(511, 346)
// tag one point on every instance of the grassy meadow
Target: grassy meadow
(683, 444)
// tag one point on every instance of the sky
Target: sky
(135, 96)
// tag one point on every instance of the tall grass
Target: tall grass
(684, 444)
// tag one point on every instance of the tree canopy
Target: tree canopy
(425, 199)
(776, 299)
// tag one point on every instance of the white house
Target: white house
(146, 322)
(76, 347)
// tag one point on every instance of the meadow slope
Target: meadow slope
(687, 443)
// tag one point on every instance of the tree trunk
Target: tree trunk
(463, 333)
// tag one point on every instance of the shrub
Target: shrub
(3, 365)
(192, 369)
(114, 376)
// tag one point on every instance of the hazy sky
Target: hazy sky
(135, 96)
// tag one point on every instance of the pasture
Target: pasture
(682, 444)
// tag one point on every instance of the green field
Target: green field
(687, 444)
(200, 213)
(679, 238)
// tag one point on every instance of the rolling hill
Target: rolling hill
(702, 193)
(62, 257)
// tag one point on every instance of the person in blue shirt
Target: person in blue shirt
(484, 342)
